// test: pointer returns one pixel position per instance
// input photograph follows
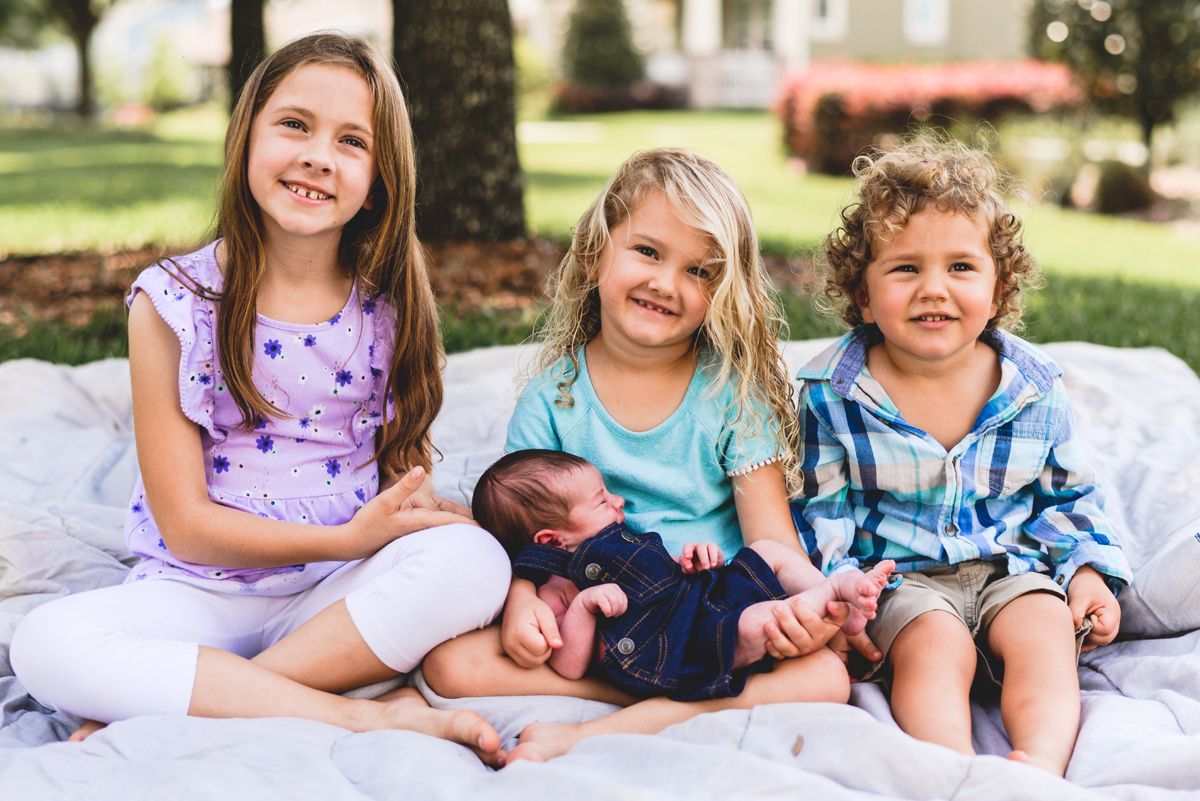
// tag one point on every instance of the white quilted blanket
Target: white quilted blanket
(67, 465)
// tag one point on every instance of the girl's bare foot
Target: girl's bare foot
(542, 741)
(85, 731)
(406, 709)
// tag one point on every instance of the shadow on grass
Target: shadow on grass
(1102, 311)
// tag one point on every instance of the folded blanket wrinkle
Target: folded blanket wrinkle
(67, 465)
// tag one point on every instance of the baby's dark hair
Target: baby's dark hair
(925, 172)
(519, 496)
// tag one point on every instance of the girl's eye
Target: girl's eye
(646, 251)
(293, 124)
(699, 272)
(350, 140)
(905, 268)
(961, 266)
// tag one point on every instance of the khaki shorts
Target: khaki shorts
(974, 592)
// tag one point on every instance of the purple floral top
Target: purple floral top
(308, 467)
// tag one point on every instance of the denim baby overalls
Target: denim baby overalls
(678, 634)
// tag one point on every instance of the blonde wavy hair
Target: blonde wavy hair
(924, 172)
(743, 323)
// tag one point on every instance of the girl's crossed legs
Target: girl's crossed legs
(167, 647)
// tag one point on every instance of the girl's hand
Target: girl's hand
(700, 556)
(390, 515)
(529, 633)
(1088, 595)
(798, 630)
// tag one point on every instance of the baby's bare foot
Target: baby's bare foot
(543, 741)
(861, 591)
(406, 709)
(85, 731)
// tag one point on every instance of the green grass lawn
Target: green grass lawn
(1115, 282)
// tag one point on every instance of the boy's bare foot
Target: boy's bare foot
(543, 741)
(861, 591)
(406, 709)
(1025, 758)
(85, 731)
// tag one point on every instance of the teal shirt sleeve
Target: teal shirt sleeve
(533, 421)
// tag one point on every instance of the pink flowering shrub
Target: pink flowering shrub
(832, 111)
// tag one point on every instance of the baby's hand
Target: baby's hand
(1088, 595)
(606, 598)
(699, 556)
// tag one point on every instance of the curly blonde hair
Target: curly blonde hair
(743, 323)
(924, 172)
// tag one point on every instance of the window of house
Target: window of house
(830, 20)
(748, 24)
(926, 21)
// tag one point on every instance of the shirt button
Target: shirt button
(628, 536)
(625, 646)
(950, 529)
(592, 571)
(1059, 579)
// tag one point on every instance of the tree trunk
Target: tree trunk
(79, 19)
(1147, 138)
(85, 107)
(455, 62)
(247, 43)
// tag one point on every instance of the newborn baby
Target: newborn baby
(688, 627)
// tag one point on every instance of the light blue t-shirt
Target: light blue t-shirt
(675, 477)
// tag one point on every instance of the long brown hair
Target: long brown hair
(379, 249)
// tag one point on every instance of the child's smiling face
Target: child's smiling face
(652, 278)
(931, 287)
(312, 155)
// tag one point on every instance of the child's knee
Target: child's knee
(449, 667)
(830, 679)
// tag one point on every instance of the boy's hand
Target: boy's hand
(1088, 595)
(849, 646)
(699, 556)
(528, 633)
(608, 599)
(798, 630)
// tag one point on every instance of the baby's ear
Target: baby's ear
(548, 536)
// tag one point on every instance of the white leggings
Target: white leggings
(129, 650)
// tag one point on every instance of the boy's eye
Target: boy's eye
(904, 268)
(961, 266)
(646, 251)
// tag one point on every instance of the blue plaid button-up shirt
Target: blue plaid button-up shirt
(1016, 487)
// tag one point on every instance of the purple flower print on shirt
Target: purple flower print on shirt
(221, 464)
(273, 348)
(334, 319)
(376, 372)
(205, 379)
(368, 306)
(305, 421)
(362, 496)
(136, 508)
(264, 443)
(344, 377)
(333, 468)
(259, 423)
(310, 340)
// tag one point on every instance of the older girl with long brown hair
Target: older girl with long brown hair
(285, 378)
